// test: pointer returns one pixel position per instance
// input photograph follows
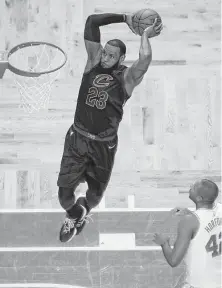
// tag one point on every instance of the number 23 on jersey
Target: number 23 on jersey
(97, 98)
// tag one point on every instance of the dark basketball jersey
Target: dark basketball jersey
(100, 101)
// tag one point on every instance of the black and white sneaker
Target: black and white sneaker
(81, 224)
(70, 226)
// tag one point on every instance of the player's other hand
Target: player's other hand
(178, 211)
(160, 239)
(154, 30)
(129, 22)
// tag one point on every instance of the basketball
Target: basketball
(144, 18)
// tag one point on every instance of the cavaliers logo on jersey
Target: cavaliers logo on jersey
(102, 80)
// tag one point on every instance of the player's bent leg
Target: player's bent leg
(67, 200)
(74, 214)
(66, 197)
(70, 226)
(95, 192)
(93, 197)
(97, 174)
(73, 166)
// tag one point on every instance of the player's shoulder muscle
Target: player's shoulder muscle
(189, 224)
(92, 48)
(94, 51)
(131, 83)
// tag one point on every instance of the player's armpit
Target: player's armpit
(92, 48)
(94, 51)
(187, 227)
(92, 35)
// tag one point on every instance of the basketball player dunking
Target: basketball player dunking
(91, 142)
(198, 239)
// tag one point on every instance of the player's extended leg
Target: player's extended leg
(98, 174)
(72, 170)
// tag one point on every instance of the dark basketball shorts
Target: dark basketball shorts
(84, 158)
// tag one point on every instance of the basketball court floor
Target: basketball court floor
(169, 138)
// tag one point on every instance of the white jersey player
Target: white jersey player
(199, 239)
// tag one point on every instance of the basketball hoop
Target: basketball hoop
(35, 66)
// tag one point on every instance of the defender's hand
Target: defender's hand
(160, 239)
(129, 22)
(178, 211)
(154, 30)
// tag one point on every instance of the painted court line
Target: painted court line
(112, 210)
(36, 285)
(102, 204)
(117, 240)
(131, 202)
(66, 249)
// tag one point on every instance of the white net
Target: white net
(35, 92)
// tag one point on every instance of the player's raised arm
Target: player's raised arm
(187, 228)
(92, 34)
(134, 74)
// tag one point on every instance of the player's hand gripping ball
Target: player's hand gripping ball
(154, 30)
(129, 22)
(148, 20)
